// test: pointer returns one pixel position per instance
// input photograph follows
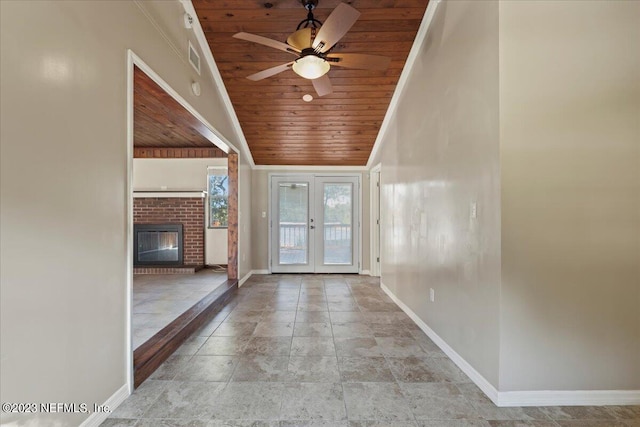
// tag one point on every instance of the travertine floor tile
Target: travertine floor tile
(313, 401)
(283, 354)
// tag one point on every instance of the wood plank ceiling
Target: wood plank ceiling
(164, 128)
(282, 129)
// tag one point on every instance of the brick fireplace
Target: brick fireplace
(186, 211)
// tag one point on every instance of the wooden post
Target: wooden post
(232, 265)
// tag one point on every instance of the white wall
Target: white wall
(184, 174)
(63, 191)
(570, 158)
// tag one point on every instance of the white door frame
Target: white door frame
(374, 220)
(315, 174)
(216, 139)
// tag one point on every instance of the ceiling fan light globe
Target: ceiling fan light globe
(311, 67)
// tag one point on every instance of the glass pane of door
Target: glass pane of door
(336, 244)
(293, 232)
(338, 221)
(314, 224)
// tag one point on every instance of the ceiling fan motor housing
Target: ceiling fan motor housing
(311, 51)
(310, 21)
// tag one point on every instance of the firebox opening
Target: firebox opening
(157, 244)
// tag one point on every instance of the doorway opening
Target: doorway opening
(170, 150)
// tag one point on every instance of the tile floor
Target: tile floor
(299, 350)
(159, 298)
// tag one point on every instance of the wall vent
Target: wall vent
(194, 58)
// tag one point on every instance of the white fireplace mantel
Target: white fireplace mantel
(170, 193)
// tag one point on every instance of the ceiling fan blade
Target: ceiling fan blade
(335, 27)
(267, 42)
(322, 85)
(359, 60)
(270, 72)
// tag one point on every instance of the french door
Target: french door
(315, 224)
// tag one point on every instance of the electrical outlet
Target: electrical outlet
(432, 295)
(264, 214)
(474, 210)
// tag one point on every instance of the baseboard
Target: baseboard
(569, 398)
(245, 278)
(522, 398)
(251, 273)
(475, 376)
(365, 273)
(112, 403)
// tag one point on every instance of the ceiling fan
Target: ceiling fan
(312, 46)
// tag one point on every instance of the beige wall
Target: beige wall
(259, 225)
(531, 109)
(440, 156)
(173, 174)
(64, 194)
(260, 203)
(245, 212)
(184, 174)
(570, 158)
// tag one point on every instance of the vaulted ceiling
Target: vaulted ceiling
(164, 128)
(281, 129)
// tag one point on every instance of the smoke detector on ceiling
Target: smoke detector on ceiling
(195, 88)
